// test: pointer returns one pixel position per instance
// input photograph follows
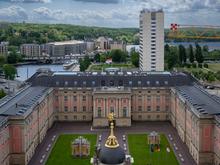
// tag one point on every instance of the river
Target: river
(26, 71)
(211, 45)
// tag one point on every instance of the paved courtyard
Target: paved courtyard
(180, 149)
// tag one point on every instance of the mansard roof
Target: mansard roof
(109, 79)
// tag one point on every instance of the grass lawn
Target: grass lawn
(61, 152)
(214, 67)
(99, 67)
(140, 151)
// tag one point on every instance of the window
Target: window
(158, 98)
(139, 82)
(99, 112)
(103, 83)
(66, 83)
(75, 117)
(74, 98)
(158, 108)
(99, 101)
(125, 112)
(139, 108)
(57, 83)
(130, 83)
(65, 98)
(157, 82)
(84, 82)
(140, 98)
(111, 83)
(148, 98)
(120, 83)
(167, 108)
(112, 100)
(84, 98)
(84, 108)
(75, 108)
(75, 83)
(149, 116)
(66, 117)
(93, 83)
(112, 109)
(139, 117)
(148, 108)
(158, 116)
(57, 109)
(66, 109)
(84, 117)
(56, 98)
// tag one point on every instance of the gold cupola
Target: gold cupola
(112, 141)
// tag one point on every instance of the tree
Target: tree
(102, 58)
(135, 58)
(205, 48)
(191, 54)
(2, 60)
(182, 54)
(167, 48)
(84, 63)
(97, 57)
(2, 93)
(199, 55)
(171, 58)
(118, 55)
(10, 71)
(12, 57)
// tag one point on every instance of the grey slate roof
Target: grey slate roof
(201, 100)
(3, 120)
(25, 100)
(97, 79)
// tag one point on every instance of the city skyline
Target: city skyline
(110, 13)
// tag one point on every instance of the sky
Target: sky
(109, 13)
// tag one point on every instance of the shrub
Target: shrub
(194, 65)
(206, 65)
(188, 65)
(200, 65)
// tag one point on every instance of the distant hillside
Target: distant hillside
(19, 33)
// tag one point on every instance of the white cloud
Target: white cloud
(34, 1)
(181, 5)
(13, 13)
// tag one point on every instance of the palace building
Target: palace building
(90, 96)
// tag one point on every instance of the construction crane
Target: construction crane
(181, 31)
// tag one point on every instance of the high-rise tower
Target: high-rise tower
(152, 40)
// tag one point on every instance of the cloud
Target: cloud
(180, 5)
(32, 1)
(13, 13)
(99, 1)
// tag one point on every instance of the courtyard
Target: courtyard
(61, 152)
(140, 150)
(136, 140)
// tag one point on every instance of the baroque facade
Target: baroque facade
(91, 96)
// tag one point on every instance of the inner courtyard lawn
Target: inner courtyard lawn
(61, 152)
(140, 151)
